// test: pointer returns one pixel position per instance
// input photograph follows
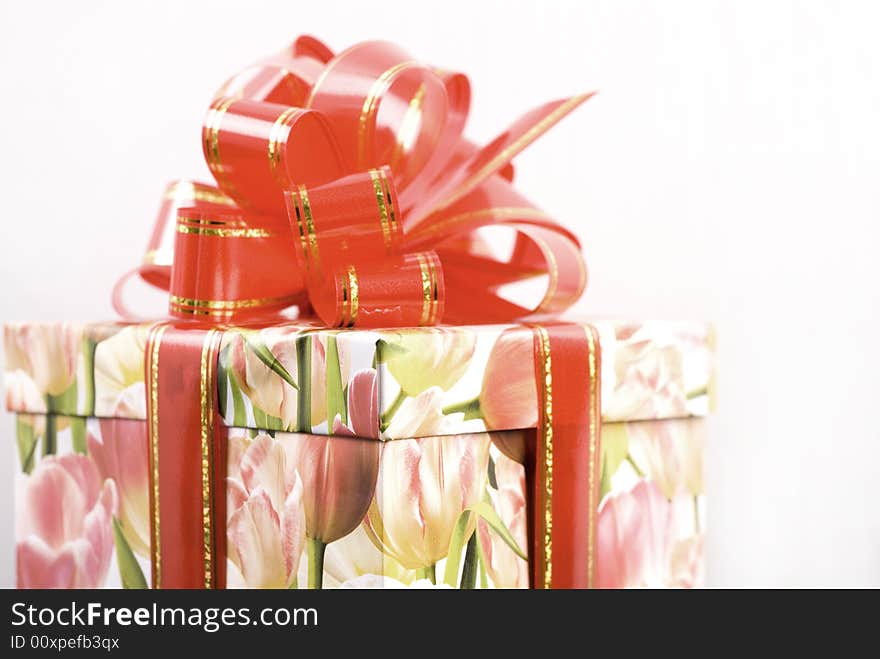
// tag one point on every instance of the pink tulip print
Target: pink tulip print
(434, 358)
(266, 521)
(508, 397)
(649, 376)
(645, 540)
(48, 353)
(22, 393)
(363, 404)
(64, 519)
(266, 390)
(119, 451)
(506, 569)
(423, 487)
(669, 452)
(339, 478)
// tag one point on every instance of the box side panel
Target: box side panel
(311, 510)
(652, 511)
(356, 513)
(82, 503)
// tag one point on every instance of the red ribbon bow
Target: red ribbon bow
(346, 181)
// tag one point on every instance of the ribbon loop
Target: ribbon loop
(255, 150)
(385, 107)
(208, 280)
(156, 266)
(285, 78)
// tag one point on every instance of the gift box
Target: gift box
(423, 481)
(362, 378)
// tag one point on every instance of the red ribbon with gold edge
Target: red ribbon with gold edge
(187, 455)
(344, 186)
(564, 463)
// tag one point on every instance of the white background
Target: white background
(728, 170)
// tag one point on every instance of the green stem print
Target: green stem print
(89, 346)
(632, 463)
(429, 573)
(461, 538)
(304, 391)
(50, 440)
(336, 404)
(27, 443)
(239, 411)
(387, 415)
(65, 402)
(469, 571)
(481, 565)
(256, 345)
(696, 393)
(129, 569)
(315, 556)
(260, 418)
(470, 408)
(78, 434)
(697, 513)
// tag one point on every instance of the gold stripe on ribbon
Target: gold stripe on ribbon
(376, 178)
(501, 213)
(426, 289)
(546, 385)
(546, 303)
(224, 308)
(298, 214)
(212, 136)
(349, 291)
(430, 289)
(550, 302)
(276, 136)
(512, 149)
(594, 451)
(371, 106)
(393, 226)
(186, 190)
(188, 225)
(306, 225)
(409, 125)
(435, 290)
(152, 376)
(207, 442)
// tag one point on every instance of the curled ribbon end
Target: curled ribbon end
(407, 291)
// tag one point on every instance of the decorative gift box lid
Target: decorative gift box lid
(386, 384)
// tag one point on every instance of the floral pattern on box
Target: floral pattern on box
(306, 509)
(437, 381)
(50, 367)
(318, 511)
(408, 383)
